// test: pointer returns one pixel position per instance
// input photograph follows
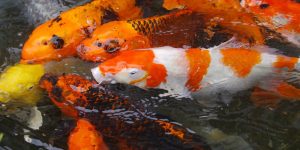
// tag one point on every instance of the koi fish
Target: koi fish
(85, 136)
(63, 85)
(97, 104)
(228, 13)
(282, 16)
(58, 38)
(200, 72)
(175, 29)
(203, 5)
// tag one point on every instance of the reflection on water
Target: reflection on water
(238, 125)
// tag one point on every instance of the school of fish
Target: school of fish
(200, 48)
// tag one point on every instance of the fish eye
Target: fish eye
(264, 6)
(133, 72)
(112, 46)
(57, 42)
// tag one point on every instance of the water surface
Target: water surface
(237, 125)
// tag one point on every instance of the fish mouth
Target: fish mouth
(91, 53)
(139, 80)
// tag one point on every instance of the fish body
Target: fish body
(121, 124)
(58, 38)
(282, 16)
(195, 71)
(175, 29)
(227, 13)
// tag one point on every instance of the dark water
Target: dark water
(237, 125)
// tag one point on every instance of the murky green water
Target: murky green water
(237, 125)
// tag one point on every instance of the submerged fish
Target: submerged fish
(85, 136)
(282, 16)
(202, 72)
(58, 38)
(122, 125)
(175, 29)
(228, 13)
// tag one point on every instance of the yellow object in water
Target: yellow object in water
(19, 83)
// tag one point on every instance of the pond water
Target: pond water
(236, 125)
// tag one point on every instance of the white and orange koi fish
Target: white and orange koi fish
(196, 71)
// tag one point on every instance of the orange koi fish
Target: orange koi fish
(98, 105)
(58, 38)
(282, 16)
(85, 136)
(228, 13)
(203, 72)
(176, 29)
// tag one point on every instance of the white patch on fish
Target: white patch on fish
(280, 20)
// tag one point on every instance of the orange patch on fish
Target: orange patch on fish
(204, 5)
(171, 4)
(142, 59)
(262, 98)
(285, 62)
(157, 75)
(226, 13)
(267, 10)
(288, 91)
(199, 61)
(171, 130)
(86, 137)
(240, 60)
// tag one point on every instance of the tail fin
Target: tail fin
(284, 84)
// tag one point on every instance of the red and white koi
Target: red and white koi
(186, 72)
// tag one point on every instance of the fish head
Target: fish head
(109, 39)
(134, 67)
(51, 41)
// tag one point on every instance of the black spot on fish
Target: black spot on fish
(57, 93)
(57, 42)
(109, 15)
(50, 78)
(57, 19)
(112, 46)
(87, 31)
(264, 6)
